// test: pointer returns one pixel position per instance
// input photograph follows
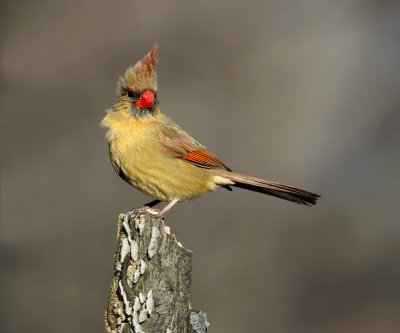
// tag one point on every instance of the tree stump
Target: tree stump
(150, 290)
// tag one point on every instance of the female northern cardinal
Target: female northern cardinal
(152, 153)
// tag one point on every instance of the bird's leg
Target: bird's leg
(168, 207)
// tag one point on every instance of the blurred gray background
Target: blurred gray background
(302, 92)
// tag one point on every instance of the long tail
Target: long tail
(286, 192)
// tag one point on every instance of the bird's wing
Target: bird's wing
(177, 143)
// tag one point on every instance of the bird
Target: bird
(155, 155)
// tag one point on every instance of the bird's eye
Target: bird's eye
(133, 94)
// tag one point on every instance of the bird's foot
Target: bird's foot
(144, 209)
(148, 208)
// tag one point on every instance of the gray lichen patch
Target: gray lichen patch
(130, 271)
(136, 276)
(141, 224)
(136, 304)
(143, 266)
(142, 298)
(132, 243)
(124, 249)
(143, 316)
(134, 250)
(127, 303)
(199, 322)
(155, 234)
(150, 302)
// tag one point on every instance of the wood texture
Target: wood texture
(150, 290)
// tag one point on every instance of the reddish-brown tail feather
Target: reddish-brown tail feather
(286, 192)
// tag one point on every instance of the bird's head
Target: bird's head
(137, 98)
(138, 86)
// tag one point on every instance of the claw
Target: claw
(148, 209)
(144, 209)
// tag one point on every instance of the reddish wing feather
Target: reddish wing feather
(190, 151)
(203, 158)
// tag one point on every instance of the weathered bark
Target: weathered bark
(150, 291)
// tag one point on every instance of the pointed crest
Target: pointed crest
(151, 59)
(142, 75)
